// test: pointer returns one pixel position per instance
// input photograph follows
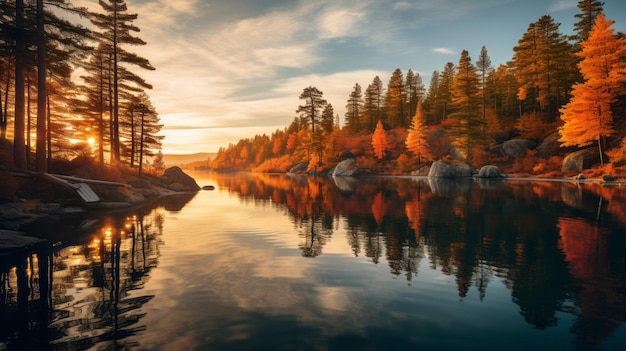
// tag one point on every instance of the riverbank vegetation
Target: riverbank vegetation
(558, 94)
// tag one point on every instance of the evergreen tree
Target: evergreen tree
(589, 10)
(395, 100)
(430, 102)
(444, 90)
(373, 103)
(353, 109)
(588, 117)
(310, 113)
(545, 66)
(483, 66)
(117, 25)
(328, 119)
(468, 129)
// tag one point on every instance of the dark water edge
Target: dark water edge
(420, 264)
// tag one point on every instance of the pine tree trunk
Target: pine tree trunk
(19, 151)
(40, 145)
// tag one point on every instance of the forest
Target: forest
(559, 93)
(71, 88)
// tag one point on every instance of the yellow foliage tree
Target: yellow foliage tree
(588, 117)
(379, 141)
(416, 138)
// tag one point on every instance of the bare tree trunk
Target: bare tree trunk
(19, 152)
(40, 156)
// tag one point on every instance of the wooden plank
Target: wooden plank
(86, 193)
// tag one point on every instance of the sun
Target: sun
(91, 141)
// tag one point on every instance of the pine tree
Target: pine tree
(416, 141)
(483, 65)
(589, 10)
(395, 100)
(588, 117)
(430, 101)
(444, 96)
(310, 114)
(117, 25)
(379, 141)
(372, 105)
(468, 130)
(545, 66)
(353, 109)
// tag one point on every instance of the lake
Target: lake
(277, 262)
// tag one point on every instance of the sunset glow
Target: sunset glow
(232, 70)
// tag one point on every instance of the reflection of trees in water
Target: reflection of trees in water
(80, 296)
(508, 230)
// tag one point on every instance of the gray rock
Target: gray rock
(177, 187)
(139, 183)
(490, 171)
(548, 147)
(345, 168)
(517, 147)
(299, 168)
(580, 160)
(178, 176)
(346, 185)
(449, 185)
(450, 170)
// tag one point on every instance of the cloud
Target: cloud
(444, 51)
(340, 22)
(563, 5)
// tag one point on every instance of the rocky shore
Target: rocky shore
(30, 196)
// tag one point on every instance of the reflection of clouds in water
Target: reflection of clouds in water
(333, 298)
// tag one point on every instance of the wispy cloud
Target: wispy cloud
(444, 51)
(563, 5)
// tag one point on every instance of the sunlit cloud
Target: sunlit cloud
(444, 51)
(240, 66)
(340, 22)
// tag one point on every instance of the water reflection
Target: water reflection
(557, 246)
(556, 249)
(84, 292)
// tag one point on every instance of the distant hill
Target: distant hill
(177, 160)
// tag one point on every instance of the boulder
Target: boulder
(345, 168)
(580, 160)
(178, 176)
(490, 171)
(139, 183)
(516, 148)
(299, 168)
(450, 170)
(548, 147)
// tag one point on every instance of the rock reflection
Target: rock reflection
(518, 232)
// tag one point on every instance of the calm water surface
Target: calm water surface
(271, 262)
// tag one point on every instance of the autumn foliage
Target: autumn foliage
(551, 87)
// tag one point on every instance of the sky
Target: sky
(233, 69)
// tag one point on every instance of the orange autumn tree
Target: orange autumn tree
(416, 138)
(379, 141)
(588, 117)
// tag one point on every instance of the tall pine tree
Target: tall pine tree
(468, 129)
